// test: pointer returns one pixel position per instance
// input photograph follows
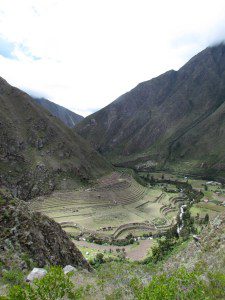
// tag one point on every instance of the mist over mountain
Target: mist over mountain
(177, 117)
(68, 117)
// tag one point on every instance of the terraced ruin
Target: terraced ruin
(116, 206)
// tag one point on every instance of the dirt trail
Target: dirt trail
(135, 253)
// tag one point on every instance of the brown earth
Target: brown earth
(136, 253)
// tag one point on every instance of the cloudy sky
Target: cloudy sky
(83, 54)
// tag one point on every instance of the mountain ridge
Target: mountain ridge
(154, 117)
(67, 116)
(38, 153)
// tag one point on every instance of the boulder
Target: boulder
(36, 273)
(69, 269)
(196, 238)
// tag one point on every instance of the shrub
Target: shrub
(181, 284)
(162, 249)
(55, 285)
(146, 235)
(216, 287)
(206, 219)
(13, 277)
(6, 215)
(122, 255)
(28, 261)
(2, 201)
(99, 258)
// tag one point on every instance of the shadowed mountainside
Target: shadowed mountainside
(68, 117)
(178, 117)
(38, 153)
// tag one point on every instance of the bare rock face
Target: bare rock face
(29, 237)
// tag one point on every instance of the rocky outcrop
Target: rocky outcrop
(29, 238)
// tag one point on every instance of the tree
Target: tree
(129, 236)
(206, 219)
(99, 258)
(172, 232)
(152, 180)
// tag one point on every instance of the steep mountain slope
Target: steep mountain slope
(210, 246)
(29, 237)
(38, 153)
(176, 117)
(68, 117)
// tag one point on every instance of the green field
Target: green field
(118, 205)
(115, 201)
(203, 208)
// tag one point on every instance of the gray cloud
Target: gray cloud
(84, 54)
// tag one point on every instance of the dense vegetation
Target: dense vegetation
(180, 284)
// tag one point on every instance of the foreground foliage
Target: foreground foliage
(180, 284)
(55, 285)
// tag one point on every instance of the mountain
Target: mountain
(68, 117)
(38, 153)
(29, 237)
(174, 121)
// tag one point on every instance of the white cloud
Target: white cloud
(93, 51)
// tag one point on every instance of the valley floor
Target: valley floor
(118, 206)
(100, 218)
(135, 252)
